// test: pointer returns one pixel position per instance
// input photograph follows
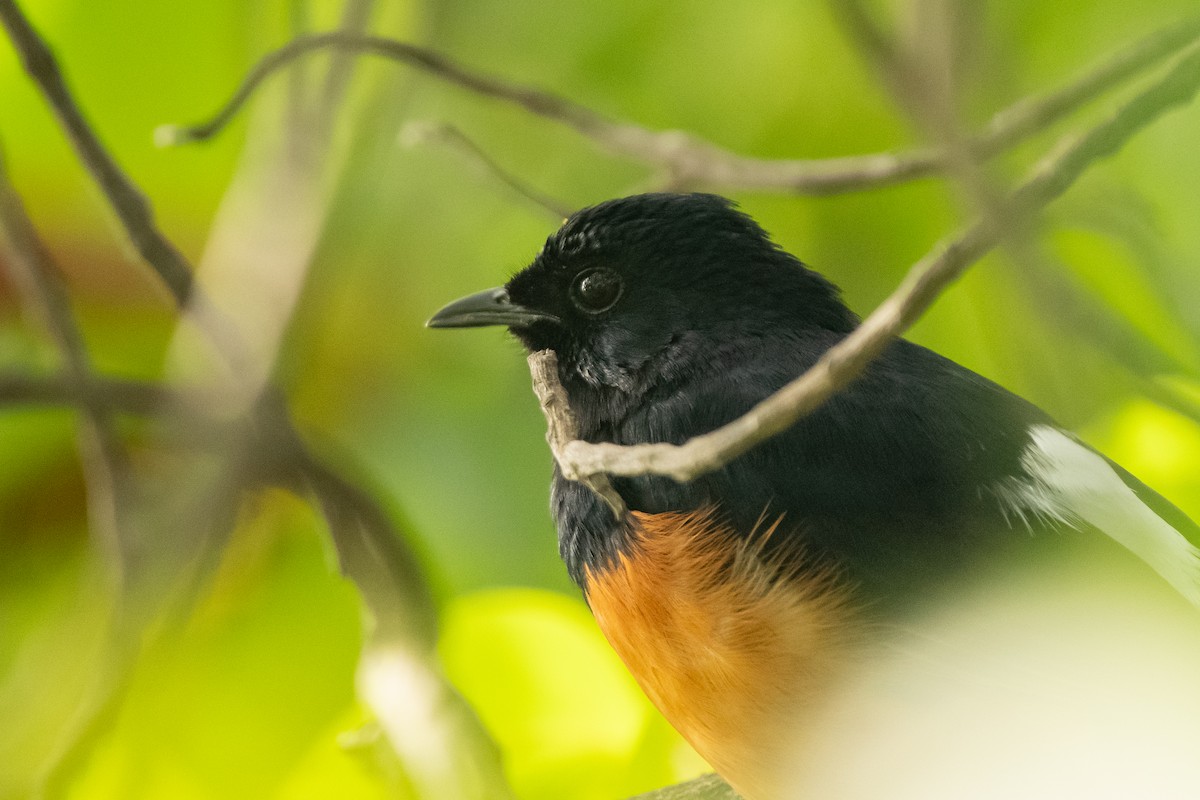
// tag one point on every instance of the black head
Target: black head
(629, 288)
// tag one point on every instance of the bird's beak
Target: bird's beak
(489, 307)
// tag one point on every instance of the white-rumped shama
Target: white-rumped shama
(731, 597)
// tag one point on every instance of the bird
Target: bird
(735, 597)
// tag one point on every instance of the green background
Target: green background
(248, 696)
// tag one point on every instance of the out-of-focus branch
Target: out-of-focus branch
(706, 787)
(923, 284)
(356, 15)
(130, 204)
(438, 738)
(919, 75)
(131, 207)
(890, 60)
(369, 547)
(111, 492)
(420, 133)
(105, 461)
(125, 396)
(694, 162)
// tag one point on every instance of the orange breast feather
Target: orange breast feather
(730, 646)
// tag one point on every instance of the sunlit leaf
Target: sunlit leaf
(549, 688)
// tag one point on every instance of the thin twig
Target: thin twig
(370, 548)
(129, 203)
(140, 226)
(417, 133)
(923, 284)
(706, 787)
(918, 80)
(133, 397)
(562, 427)
(110, 494)
(694, 162)
(355, 17)
(892, 64)
(267, 418)
(104, 459)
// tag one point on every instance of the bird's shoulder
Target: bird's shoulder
(892, 479)
(911, 415)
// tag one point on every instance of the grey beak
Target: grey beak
(489, 307)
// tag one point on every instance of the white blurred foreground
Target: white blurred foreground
(1077, 681)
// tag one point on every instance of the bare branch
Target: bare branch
(419, 133)
(356, 16)
(104, 459)
(923, 284)
(918, 76)
(370, 549)
(135, 397)
(126, 200)
(694, 162)
(1033, 114)
(105, 464)
(442, 744)
(373, 555)
(706, 787)
(889, 59)
(562, 428)
(132, 208)
(98, 161)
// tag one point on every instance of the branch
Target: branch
(706, 787)
(377, 557)
(401, 619)
(917, 75)
(437, 736)
(132, 208)
(562, 427)
(924, 283)
(692, 161)
(356, 16)
(134, 397)
(105, 462)
(130, 204)
(418, 133)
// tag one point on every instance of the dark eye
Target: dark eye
(596, 290)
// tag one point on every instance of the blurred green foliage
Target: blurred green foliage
(251, 695)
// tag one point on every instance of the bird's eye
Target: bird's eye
(596, 290)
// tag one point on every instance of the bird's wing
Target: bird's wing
(1068, 481)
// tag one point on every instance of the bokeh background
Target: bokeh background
(250, 691)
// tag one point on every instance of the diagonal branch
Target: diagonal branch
(133, 210)
(706, 787)
(130, 204)
(359, 526)
(104, 459)
(924, 283)
(692, 161)
(420, 133)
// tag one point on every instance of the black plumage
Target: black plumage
(739, 598)
(888, 481)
